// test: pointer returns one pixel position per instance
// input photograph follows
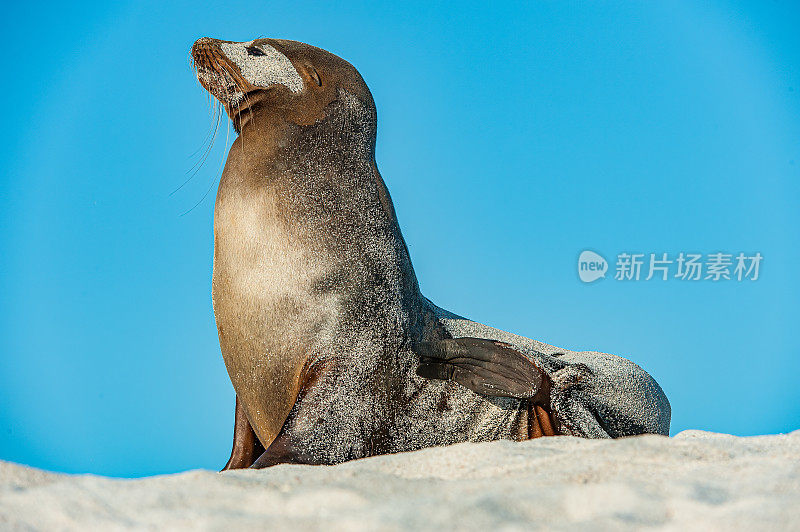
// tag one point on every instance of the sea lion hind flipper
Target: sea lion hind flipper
(486, 367)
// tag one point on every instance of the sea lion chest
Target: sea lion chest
(269, 316)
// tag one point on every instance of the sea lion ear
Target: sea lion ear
(313, 74)
(487, 367)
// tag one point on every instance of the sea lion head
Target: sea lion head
(275, 79)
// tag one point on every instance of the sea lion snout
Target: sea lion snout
(231, 70)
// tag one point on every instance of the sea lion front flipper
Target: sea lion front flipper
(486, 367)
(246, 446)
(283, 451)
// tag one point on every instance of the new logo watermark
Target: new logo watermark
(591, 266)
(717, 266)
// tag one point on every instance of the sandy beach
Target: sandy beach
(692, 481)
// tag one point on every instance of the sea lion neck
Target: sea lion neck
(317, 188)
(327, 148)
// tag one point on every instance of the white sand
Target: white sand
(694, 481)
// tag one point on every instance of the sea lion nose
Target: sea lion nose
(206, 40)
(204, 43)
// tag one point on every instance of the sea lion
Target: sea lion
(333, 351)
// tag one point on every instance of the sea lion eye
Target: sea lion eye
(255, 50)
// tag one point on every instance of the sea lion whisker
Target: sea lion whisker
(199, 164)
(238, 111)
(212, 109)
(248, 108)
(249, 105)
(213, 182)
(216, 176)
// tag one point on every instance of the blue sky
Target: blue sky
(511, 138)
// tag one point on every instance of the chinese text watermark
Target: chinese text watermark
(682, 266)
